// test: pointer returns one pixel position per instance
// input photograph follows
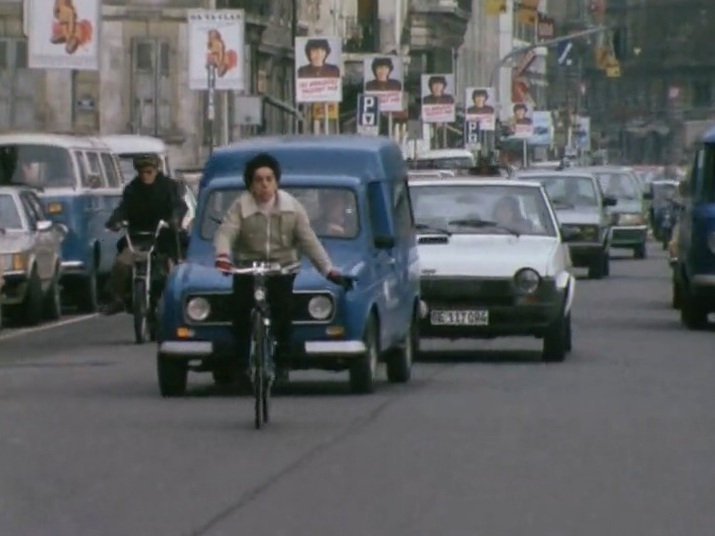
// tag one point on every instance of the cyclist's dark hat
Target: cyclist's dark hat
(259, 161)
(143, 161)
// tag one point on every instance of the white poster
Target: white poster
(319, 66)
(64, 34)
(438, 104)
(382, 77)
(217, 38)
(478, 107)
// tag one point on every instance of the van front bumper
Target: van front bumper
(305, 355)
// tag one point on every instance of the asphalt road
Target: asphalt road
(618, 440)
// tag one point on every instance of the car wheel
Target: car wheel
(172, 376)
(693, 313)
(596, 268)
(33, 306)
(363, 372)
(556, 341)
(640, 251)
(676, 300)
(568, 339)
(53, 299)
(399, 361)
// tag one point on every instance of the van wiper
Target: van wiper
(431, 229)
(476, 223)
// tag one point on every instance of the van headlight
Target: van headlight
(711, 243)
(320, 307)
(198, 309)
(527, 280)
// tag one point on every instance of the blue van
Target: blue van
(79, 182)
(694, 270)
(333, 330)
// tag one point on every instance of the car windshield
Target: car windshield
(9, 215)
(332, 211)
(568, 192)
(44, 166)
(454, 162)
(482, 209)
(619, 185)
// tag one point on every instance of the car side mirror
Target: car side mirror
(384, 242)
(648, 196)
(609, 201)
(44, 225)
(568, 232)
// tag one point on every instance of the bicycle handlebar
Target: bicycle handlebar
(264, 268)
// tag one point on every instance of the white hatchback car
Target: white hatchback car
(493, 262)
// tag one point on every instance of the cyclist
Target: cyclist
(268, 224)
(149, 198)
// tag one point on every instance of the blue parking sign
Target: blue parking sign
(368, 110)
(471, 133)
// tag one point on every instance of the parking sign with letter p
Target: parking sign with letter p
(471, 133)
(368, 114)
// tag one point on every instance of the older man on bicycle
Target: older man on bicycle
(268, 224)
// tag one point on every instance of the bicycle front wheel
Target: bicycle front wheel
(257, 365)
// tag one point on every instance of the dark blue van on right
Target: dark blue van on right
(694, 277)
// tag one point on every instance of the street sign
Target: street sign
(471, 133)
(368, 114)
(563, 50)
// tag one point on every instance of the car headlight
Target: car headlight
(320, 307)
(711, 243)
(259, 295)
(631, 219)
(198, 309)
(13, 262)
(527, 280)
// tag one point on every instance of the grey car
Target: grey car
(630, 215)
(30, 257)
(582, 211)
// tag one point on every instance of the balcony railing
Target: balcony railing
(361, 36)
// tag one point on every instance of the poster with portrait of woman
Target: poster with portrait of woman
(383, 78)
(216, 38)
(438, 104)
(319, 66)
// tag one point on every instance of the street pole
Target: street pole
(211, 104)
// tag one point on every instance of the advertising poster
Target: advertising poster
(438, 104)
(216, 38)
(478, 106)
(64, 34)
(319, 66)
(522, 120)
(582, 133)
(383, 78)
(543, 129)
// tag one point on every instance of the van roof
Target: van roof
(66, 141)
(133, 143)
(367, 157)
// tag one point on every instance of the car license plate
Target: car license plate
(459, 318)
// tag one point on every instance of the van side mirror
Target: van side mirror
(384, 242)
(609, 201)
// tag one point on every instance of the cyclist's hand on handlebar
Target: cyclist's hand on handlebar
(343, 281)
(223, 263)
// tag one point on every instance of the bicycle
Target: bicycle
(263, 344)
(145, 284)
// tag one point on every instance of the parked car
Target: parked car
(694, 276)
(582, 210)
(79, 184)
(30, 257)
(334, 330)
(493, 262)
(629, 215)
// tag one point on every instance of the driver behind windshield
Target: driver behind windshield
(337, 220)
(508, 214)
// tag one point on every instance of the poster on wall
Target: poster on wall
(438, 104)
(383, 77)
(63, 34)
(318, 73)
(216, 37)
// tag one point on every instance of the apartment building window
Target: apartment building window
(151, 86)
(702, 95)
(18, 86)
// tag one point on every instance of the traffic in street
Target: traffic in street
(486, 439)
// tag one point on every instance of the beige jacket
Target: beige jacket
(246, 234)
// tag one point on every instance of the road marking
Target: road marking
(59, 324)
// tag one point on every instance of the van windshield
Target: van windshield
(38, 166)
(332, 211)
(126, 164)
